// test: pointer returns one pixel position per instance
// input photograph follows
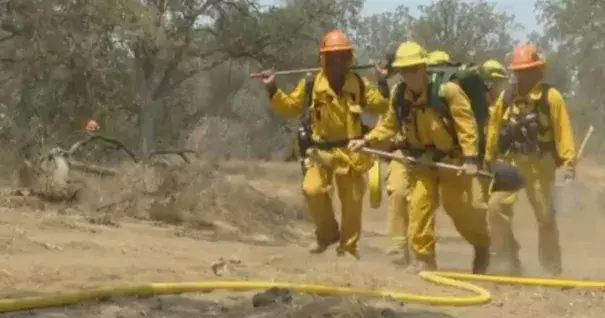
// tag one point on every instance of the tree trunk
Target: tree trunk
(146, 121)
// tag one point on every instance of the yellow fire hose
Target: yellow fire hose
(451, 279)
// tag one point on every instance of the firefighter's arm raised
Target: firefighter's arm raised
(465, 123)
(493, 129)
(562, 130)
(289, 105)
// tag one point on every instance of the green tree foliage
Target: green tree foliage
(150, 70)
(576, 28)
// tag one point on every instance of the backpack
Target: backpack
(542, 107)
(469, 80)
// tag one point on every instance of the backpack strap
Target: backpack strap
(303, 132)
(543, 104)
(362, 90)
(508, 97)
(362, 102)
(401, 105)
(305, 118)
(437, 101)
(544, 108)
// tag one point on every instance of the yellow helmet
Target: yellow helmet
(409, 54)
(493, 69)
(439, 57)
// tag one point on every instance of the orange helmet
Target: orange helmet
(334, 41)
(525, 56)
(92, 125)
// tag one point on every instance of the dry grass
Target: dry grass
(231, 200)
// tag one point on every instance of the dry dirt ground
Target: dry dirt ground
(49, 248)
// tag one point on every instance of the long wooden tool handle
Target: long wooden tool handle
(388, 155)
(589, 133)
(391, 156)
(305, 70)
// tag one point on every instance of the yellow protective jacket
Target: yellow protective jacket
(426, 127)
(335, 117)
(559, 130)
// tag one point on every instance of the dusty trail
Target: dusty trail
(47, 251)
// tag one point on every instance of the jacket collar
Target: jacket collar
(351, 85)
(534, 94)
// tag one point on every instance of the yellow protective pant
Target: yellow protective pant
(456, 197)
(398, 191)
(540, 177)
(351, 188)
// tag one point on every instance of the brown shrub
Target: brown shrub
(200, 196)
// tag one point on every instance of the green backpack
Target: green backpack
(469, 79)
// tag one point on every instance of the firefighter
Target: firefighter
(529, 128)
(432, 135)
(332, 102)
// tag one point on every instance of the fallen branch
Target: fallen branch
(93, 136)
(91, 168)
(181, 152)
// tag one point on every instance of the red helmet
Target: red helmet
(335, 41)
(92, 125)
(526, 56)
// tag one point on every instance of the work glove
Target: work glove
(419, 162)
(477, 195)
(469, 168)
(357, 144)
(269, 81)
(382, 71)
(569, 174)
(268, 77)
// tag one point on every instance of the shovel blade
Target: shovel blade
(507, 177)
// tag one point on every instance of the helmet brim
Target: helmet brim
(526, 66)
(409, 62)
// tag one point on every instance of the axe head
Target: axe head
(506, 177)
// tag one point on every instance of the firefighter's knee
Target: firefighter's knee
(315, 182)
(502, 198)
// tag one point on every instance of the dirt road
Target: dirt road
(46, 251)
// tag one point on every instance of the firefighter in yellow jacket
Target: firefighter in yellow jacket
(429, 137)
(397, 187)
(334, 102)
(530, 128)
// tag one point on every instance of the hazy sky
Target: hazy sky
(523, 10)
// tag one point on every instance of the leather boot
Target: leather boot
(481, 260)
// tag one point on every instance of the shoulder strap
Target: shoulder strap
(308, 100)
(508, 96)
(543, 104)
(362, 90)
(402, 107)
(435, 91)
(441, 105)
(400, 104)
